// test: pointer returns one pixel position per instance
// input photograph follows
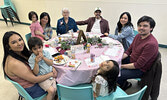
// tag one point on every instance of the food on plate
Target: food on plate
(71, 65)
(59, 58)
(76, 61)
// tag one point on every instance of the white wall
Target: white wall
(111, 10)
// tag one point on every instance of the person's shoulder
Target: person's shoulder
(103, 19)
(60, 19)
(14, 63)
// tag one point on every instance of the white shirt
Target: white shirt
(103, 83)
(96, 26)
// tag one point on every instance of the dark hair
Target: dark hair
(31, 14)
(7, 50)
(147, 19)
(111, 76)
(43, 15)
(33, 41)
(127, 24)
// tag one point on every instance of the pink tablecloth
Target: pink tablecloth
(69, 76)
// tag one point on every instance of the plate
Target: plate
(61, 62)
(73, 63)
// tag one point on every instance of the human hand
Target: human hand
(37, 58)
(77, 31)
(106, 34)
(54, 72)
(40, 55)
(38, 32)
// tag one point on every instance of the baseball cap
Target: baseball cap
(97, 9)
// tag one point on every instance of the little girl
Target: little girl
(104, 82)
(36, 29)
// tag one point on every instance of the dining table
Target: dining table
(86, 69)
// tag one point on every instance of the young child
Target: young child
(104, 82)
(35, 27)
(41, 63)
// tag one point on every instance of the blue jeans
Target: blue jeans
(128, 74)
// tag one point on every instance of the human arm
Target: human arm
(128, 66)
(22, 70)
(75, 27)
(82, 22)
(106, 28)
(60, 27)
(54, 72)
(37, 32)
(127, 31)
(45, 55)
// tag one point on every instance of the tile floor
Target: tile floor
(8, 91)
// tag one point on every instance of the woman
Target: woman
(124, 31)
(45, 23)
(15, 64)
(66, 23)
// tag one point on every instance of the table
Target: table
(69, 76)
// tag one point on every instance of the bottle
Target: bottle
(88, 48)
(73, 53)
(56, 41)
(92, 57)
(59, 36)
(72, 35)
(87, 35)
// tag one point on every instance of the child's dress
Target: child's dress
(104, 85)
(36, 27)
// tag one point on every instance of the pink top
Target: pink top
(22, 82)
(36, 27)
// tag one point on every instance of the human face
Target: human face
(37, 49)
(65, 13)
(124, 19)
(144, 28)
(44, 20)
(34, 18)
(97, 14)
(106, 66)
(16, 43)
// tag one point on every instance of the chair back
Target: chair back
(136, 96)
(27, 36)
(74, 93)
(135, 32)
(23, 92)
(9, 3)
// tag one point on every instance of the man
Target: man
(143, 52)
(96, 24)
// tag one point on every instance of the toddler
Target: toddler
(35, 27)
(41, 63)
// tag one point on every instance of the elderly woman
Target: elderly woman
(16, 67)
(45, 23)
(66, 23)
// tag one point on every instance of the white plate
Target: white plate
(64, 61)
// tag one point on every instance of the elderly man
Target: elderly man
(66, 23)
(96, 24)
(143, 51)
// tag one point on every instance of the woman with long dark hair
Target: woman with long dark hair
(45, 23)
(15, 64)
(124, 30)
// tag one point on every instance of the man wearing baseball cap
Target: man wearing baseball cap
(96, 24)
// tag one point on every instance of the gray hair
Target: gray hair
(65, 9)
